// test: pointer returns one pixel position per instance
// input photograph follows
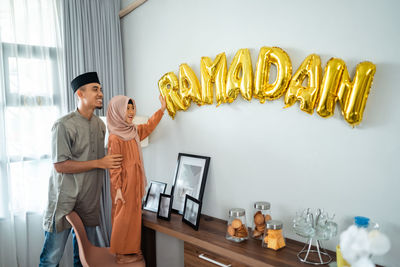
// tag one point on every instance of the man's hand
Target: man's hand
(119, 197)
(163, 103)
(111, 161)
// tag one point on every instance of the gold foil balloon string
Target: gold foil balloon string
(321, 92)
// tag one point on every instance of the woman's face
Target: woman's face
(130, 113)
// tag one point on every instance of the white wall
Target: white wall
(261, 151)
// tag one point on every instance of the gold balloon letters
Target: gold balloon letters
(213, 72)
(310, 69)
(240, 76)
(320, 93)
(267, 56)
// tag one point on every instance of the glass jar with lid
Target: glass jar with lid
(261, 214)
(273, 237)
(237, 229)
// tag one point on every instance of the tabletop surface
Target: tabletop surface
(211, 236)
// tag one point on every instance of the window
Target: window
(31, 100)
(32, 106)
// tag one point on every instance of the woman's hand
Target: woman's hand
(163, 103)
(119, 197)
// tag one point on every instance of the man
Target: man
(79, 163)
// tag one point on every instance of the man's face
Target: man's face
(92, 95)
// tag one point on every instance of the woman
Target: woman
(128, 182)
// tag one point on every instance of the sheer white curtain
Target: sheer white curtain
(30, 102)
(92, 42)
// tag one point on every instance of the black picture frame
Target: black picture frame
(190, 178)
(164, 207)
(153, 195)
(192, 212)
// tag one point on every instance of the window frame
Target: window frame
(29, 52)
(12, 99)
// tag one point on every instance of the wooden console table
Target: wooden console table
(210, 242)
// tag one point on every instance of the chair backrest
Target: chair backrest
(91, 255)
(81, 236)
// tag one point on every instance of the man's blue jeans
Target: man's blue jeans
(54, 244)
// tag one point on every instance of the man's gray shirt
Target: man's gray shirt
(74, 137)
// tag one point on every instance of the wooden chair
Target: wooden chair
(92, 256)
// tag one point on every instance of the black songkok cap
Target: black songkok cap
(88, 77)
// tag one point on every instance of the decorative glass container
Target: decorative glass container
(316, 227)
(273, 237)
(261, 214)
(237, 229)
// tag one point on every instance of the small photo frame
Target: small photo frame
(153, 195)
(192, 212)
(164, 207)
